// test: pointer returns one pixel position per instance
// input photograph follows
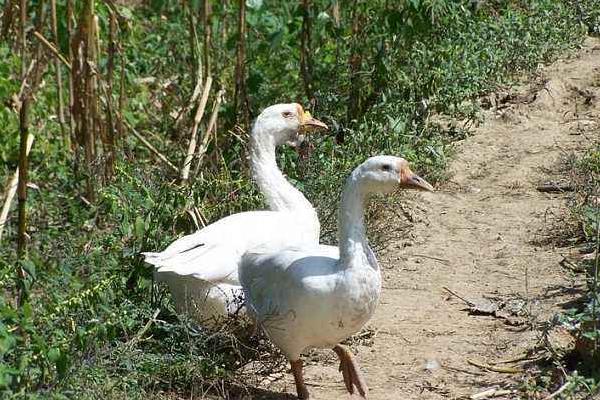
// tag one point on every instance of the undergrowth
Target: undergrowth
(580, 369)
(89, 328)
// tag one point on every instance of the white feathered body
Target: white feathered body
(201, 269)
(311, 294)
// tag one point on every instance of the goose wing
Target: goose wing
(213, 253)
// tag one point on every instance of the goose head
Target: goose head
(286, 123)
(385, 174)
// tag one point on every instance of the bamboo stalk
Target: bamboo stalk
(112, 50)
(22, 36)
(209, 129)
(24, 82)
(7, 18)
(70, 38)
(194, 45)
(59, 85)
(240, 101)
(11, 189)
(305, 62)
(122, 99)
(207, 37)
(186, 109)
(89, 133)
(354, 63)
(38, 72)
(22, 193)
(185, 169)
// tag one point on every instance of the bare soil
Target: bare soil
(483, 234)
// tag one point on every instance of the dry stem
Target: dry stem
(52, 49)
(11, 189)
(185, 170)
(59, 85)
(209, 129)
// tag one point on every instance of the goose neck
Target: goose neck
(352, 234)
(280, 194)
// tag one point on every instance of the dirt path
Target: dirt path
(479, 236)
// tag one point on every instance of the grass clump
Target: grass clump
(572, 338)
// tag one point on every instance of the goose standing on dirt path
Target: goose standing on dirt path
(317, 296)
(201, 269)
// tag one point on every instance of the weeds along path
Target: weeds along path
(481, 235)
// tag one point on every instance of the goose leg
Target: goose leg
(299, 379)
(351, 372)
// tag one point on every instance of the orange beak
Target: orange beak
(410, 180)
(307, 122)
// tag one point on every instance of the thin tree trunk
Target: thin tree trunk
(83, 92)
(59, 85)
(22, 193)
(40, 67)
(112, 51)
(89, 134)
(71, 97)
(122, 98)
(11, 190)
(305, 48)
(23, 158)
(354, 63)
(240, 99)
(23, 37)
(7, 18)
(207, 38)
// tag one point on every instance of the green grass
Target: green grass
(90, 295)
(577, 366)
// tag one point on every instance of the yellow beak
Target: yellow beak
(309, 123)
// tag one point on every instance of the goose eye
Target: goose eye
(287, 114)
(386, 167)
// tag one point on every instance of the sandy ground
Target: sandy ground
(480, 235)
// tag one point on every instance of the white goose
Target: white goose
(201, 269)
(317, 296)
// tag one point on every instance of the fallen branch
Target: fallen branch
(554, 187)
(138, 336)
(185, 169)
(441, 260)
(504, 370)
(491, 393)
(150, 147)
(523, 357)
(12, 189)
(559, 391)
(467, 302)
(52, 49)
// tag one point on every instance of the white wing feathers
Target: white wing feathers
(213, 254)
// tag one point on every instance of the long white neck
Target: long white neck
(354, 248)
(280, 194)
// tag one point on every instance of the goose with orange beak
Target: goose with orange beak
(201, 269)
(316, 295)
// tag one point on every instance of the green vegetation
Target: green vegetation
(584, 319)
(86, 325)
